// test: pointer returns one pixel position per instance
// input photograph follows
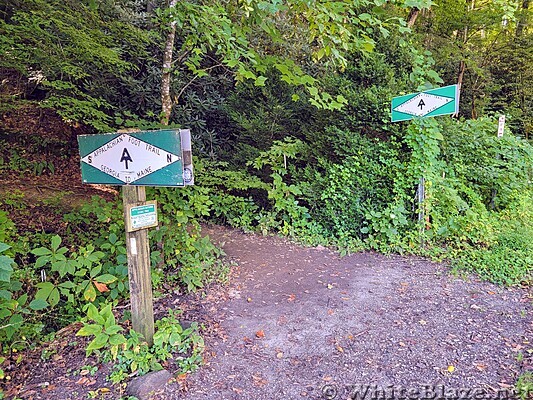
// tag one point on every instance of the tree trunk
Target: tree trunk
(462, 69)
(413, 15)
(166, 100)
(522, 19)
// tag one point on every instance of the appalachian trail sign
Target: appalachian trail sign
(440, 101)
(152, 158)
(134, 160)
(430, 103)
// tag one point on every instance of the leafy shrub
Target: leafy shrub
(105, 330)
(7, 227)
(353, 193)
(11, 308)
(495, 168)
(509, 258)
(132, 354)
(524, 385)
(80, 275)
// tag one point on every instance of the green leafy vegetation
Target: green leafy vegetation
(524, 385)
(131, 353)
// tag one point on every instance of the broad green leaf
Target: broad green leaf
(53, 299)
(93, 314)
(106, 312)
(4, 247)
(116, 340)
(5, 268)
(45, 288)
(14, 324)
(41, 251)
(90, 293)
(95, 271)
(260, 81)
(435, 76)
(38, 304)
(22, 299)
(436, 135)
(113, 329)
(5, 294)
(110, 321)
(231, 63)
(106, 278)
(56, 241)
(341, 99)
(89, 330)
(98, 342)
(174, 339)
(41, 261)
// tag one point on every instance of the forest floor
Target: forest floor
(304, 323)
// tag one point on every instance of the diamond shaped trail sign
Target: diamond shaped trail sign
(151, 158)
(441, 101)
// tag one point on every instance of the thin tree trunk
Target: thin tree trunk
(462, 69)
(461, 75)
(166, 100)
(413, 15)
(522, 20)
(462, 63)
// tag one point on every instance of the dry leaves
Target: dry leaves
(259, 380)
(101, 287)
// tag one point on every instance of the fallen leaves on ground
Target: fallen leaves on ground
(259, 380)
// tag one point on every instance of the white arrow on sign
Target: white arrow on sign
(422, 104)
(128, 159)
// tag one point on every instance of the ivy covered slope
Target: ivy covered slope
(289, 106)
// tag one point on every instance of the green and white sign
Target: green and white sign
(142, 216)
(441, 101)
(151, 158)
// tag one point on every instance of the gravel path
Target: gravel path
(303, 323)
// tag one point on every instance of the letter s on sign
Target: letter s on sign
(90, 159)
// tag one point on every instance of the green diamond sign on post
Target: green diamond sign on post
(150, 158)
(440, 101)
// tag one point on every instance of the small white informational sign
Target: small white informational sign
(501, 125)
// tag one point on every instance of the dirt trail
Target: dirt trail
(303, 323)
(330, 323)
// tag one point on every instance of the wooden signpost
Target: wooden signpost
(142, 310)
(133, 161)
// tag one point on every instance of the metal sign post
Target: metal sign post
(430, 103)
(135, 160)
